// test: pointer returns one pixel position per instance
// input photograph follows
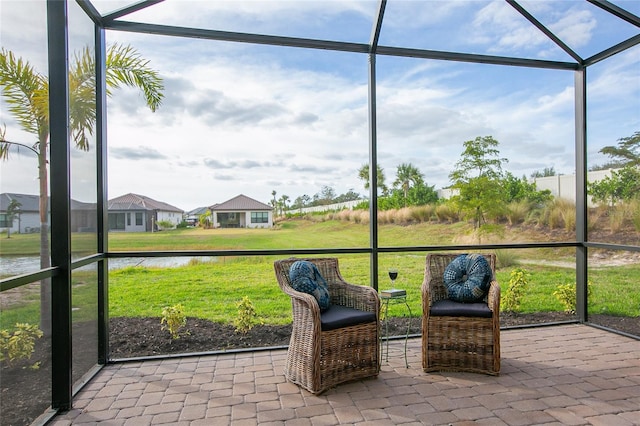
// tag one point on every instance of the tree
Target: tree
(283, 203)
(622, 185)
(325, 196)
(12, 209)
(407, 176)
(627, 153)
(518, 189)
(363, 174)
(477, 178)
(26, 92)
(548, 171)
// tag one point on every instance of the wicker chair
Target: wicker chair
(459, 340)
(319, 358)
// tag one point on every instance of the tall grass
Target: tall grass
(517, 212)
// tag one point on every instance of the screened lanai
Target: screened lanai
(290, 103)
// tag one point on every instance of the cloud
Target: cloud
(137, 153)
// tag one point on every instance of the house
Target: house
(137, 213)
(242, 212)
(26, 219)
(192, 217)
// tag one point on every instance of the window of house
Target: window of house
(128, 219)
(138, 219)
(116, 221)
(4, 221)
(259, 217)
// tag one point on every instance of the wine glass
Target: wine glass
(393, 274)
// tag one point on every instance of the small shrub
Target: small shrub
(404, 215)
(173, 319)
(566, 294)
(20, 344)
(518, 281)
(634, 207)
(446, 213)
(517, 212)
(506, 258)
(423, 213)
(247, 316)
(165, 224)
(616, 218)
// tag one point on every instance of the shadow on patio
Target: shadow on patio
(571, 374)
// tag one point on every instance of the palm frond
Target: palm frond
(26, 92)
(126, 66)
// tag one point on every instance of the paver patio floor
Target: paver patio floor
(564, 375)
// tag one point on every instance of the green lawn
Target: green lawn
(211, 290)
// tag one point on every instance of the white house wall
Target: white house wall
(174, 217)
(28, 222)
(130, 222)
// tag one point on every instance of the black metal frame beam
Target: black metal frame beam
(580, 83)
(102, 202)
(130, 9)
(167, 30)
(61, 349)
(545, 30)
(617, 11)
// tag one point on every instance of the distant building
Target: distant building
(242, 212)
(138, 213)
(192, 217)
(27, 217)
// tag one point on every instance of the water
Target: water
(17, 265)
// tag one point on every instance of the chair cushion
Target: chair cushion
(449, 308)
(305, 277)
(468, 278)
(338, 316)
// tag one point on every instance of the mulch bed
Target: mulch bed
(141, 337)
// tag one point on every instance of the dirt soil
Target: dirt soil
(141, 337)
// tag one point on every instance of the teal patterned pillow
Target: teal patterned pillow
(305, 277)
(468, 278)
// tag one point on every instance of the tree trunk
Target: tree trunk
(45, 259)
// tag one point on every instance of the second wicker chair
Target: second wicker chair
(467, 338)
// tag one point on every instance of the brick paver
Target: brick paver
(572, 374)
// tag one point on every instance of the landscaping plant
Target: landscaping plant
(20, 344)
(247, 316)
(173, 319)
(566, 294)
(518, 281)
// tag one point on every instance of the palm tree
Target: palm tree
(283, 202)
(363, 174)
(26, 92)
(407, 176)
(12, 209)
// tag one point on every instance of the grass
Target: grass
(210, 290)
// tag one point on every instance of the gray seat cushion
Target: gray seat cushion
(340, 316)
(449, 308)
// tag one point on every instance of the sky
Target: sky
(244, 119)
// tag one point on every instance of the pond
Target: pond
(16, 265)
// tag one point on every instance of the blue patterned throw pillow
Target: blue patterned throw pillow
(305, 277)
(468, 278)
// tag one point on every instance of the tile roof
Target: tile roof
(31, 203)
(140, 202)
(241, 202)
